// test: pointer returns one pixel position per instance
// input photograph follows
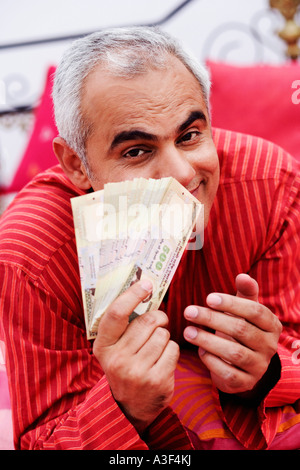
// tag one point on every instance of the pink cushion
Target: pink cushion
(38, 155)
(6, 428)
(260, 100)
(4, 394)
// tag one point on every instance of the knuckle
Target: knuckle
(271, 348)
(235, 383)
(155, 381)
(114, 365)
(175, 349)
(232, 380)
(147, 319)
(134, 374)
(113, 312)
(116, 361)
(241, 328)
(277, 325)
(174, 353)
(243, 358)
(261, 369)
(258, 310)
(238, 355)
(248, 385)
(156, 317)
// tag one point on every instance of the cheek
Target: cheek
(101, 169)
(215, 168)
(214, 179)
(206, 161)
(109, 172)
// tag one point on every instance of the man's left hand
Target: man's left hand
(236, 335)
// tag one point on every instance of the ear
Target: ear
(71, 163)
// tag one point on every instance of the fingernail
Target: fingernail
(191, 312)
(190, 332)
(146, 285)
(214, 300)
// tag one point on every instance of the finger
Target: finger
(226, 350)
(247, 287)
(141, 329)
(228, 326)
(253, 312)
(167, 362)
(226, 377)
(153, 348)
(115, 320)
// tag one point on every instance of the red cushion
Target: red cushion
(258, 100)
(38, 155)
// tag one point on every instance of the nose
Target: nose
(174, 163)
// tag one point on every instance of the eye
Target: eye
(189, 137)
(135, 153)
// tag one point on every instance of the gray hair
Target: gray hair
(123, 52)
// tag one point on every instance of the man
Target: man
(131, 103)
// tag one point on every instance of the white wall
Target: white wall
(22, 70)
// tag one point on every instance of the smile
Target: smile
(195, 190)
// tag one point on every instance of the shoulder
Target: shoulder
(248, 158)
(38, 222)
(259, 190)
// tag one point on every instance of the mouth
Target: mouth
(194, 190)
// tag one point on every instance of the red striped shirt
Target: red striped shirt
(60, 397)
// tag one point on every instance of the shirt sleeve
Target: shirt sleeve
(60, 397)
(278, 274)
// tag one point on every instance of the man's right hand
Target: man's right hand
(138, 359)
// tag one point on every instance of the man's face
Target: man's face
(153, 126)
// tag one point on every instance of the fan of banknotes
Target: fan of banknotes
(128, 231)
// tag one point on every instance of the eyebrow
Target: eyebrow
(136, 134)
(194, 116)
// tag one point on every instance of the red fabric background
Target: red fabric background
(258, 100)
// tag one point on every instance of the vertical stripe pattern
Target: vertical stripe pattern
(254, 228)
(60, 397)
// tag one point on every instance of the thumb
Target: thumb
(115, 320)
(247, 287)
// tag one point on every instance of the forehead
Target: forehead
(149, 100)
